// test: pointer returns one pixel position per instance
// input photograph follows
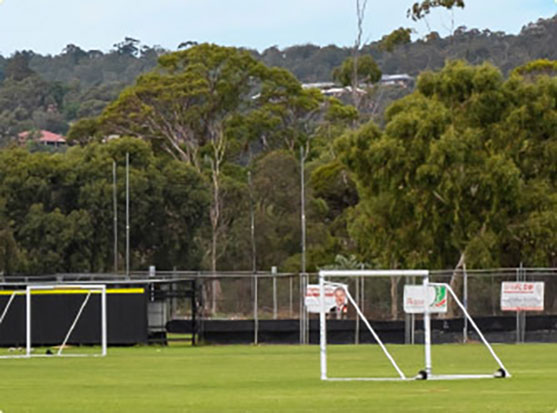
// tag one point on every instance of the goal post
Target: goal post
(87, 290)
(74, 313)
(426, 373)
(323, 276)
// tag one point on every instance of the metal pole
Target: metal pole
(301, 309)
(518, 315)
(253, 263)
(115, 203)
(127, 214)
(275, 305)
(252, 225)
(363, 293)
(306, 315)
(427, 327)
(407, 321)
(303, 208)
(359, 303)
(303, 316)
(465, 303)
(413, 321)
(104, 333)
(522, 313)
(291, 297)
(255, 311)
(28, 322)
(322, 329)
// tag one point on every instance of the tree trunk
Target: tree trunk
(360, 14)
(219, 148)
(456, 284)
(394, 297)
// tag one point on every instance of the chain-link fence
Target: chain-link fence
(269, 306)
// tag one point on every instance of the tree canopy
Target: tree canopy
(454, 172)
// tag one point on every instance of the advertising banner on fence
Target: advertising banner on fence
(335, 298)
(414, 299)
(522, 296)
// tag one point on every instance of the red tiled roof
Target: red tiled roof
(45, 136)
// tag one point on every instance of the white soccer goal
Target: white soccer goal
(427, 372)
(34, 291)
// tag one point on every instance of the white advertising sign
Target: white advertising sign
(522, 296)
(414, 299)
(335, 297)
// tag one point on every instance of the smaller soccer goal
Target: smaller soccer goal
(71, 303)
(326, 288)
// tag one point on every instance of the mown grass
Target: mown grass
(276, 379)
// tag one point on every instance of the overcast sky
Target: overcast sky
(47, 26)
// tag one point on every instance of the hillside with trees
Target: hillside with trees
(53, 91)
(225, 143)
(463, 171)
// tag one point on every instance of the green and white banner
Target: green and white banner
(414, 299)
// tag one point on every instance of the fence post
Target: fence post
(465, 303)
(413, 321)
(358, 301)
(255, 310)
(407, 320)
(291, 297)
(275, 307)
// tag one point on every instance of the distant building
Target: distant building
(44, 137)
(397, 80)
(332, 89)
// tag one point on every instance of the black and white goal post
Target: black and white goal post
(85, 290)
(426, 289)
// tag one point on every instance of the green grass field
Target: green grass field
(276, 379)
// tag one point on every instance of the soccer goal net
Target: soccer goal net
(58, 320)
(333, 297)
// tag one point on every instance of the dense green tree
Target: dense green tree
(368, 71)
(17, 66)
(398, 37)
(58, 208)
(203, 102)
(448, 183)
